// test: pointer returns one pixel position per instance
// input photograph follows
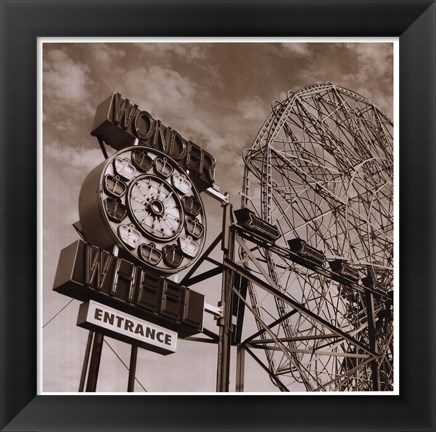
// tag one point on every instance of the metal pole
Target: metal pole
(94, 365)
(225, 323)
(97, 348)
(103, 150)
(372, 334)
(86, 361)
(132, 368)
(240, 368)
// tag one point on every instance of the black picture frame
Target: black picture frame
(414, 21)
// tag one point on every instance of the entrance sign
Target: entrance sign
(118, 325)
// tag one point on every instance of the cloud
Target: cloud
(373, 59)
(65, 79)
(162, 90)
(67, 85)
(185, 51)
(299, 49)
(106, 54)
(253, 108)
(374, 76)
(69, 161)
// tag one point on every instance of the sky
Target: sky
(214, 94)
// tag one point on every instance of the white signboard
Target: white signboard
(119, 325)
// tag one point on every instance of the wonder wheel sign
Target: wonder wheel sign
(141, 219)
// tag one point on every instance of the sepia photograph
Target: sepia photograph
(218, 216)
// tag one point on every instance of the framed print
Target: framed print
(254, 226)
(163, 201)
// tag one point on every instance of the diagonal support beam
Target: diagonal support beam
(294, 339)
(345, 375)
(203, 257)
(313, 352)
(203, 276)
(270, 326)
(294, 304)
(277, 340)
(273, 377)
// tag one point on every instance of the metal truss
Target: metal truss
(338, 343)
(321, 169)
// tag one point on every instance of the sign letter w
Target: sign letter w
(97, 266)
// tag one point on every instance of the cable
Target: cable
(107, 343)
(121, 360)
(51, 319)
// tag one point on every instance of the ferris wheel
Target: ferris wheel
(321, 170)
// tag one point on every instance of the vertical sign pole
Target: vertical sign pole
(240, 368)
(225, 333)
(132, 369)
(86, 361)
(94, 366)
(97, 348)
